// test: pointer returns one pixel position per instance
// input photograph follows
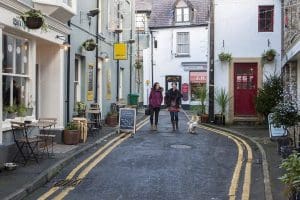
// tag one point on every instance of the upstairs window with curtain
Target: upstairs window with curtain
(183, 43)
(265, 18)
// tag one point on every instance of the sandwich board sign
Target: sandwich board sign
(275, 131)
(127, 120)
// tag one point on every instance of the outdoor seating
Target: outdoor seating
(82, 126)
(45, 125)
(27, 146)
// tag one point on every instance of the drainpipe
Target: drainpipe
(211, 63)
(97, 62)
(118, 61)
(151, 33)
(130, 59)
(68, 76)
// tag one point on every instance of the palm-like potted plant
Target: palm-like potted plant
(89, 45)
(80, 108)
(269, 55)
(292, 176)
(71, 134)
(225, 57)
(34, 19)
(222, 98)
(202, 95)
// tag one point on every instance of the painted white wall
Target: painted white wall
(51, 84)
(164, 59)
(236, 23)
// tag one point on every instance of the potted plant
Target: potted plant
(29, 107)
(89, 45)
(112, 119)
(21, 110)
(225, 57)
(269, 55)
(138, 65)
(11, 112)
(202, 95)
(34, 19)
(222, 98)
(80, 108)
(71, 134)
(292, 176)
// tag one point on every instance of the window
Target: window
(183, 43)
(77, 85)
(182, 14)
(140, 22)
(265, 18)
(15, 70)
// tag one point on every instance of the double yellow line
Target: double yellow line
(239, 164)
(92, 161)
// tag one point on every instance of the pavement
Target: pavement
(24, 180)
(162, 165)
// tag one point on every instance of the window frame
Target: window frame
(182, 43)
(263, 29)
(182, 15)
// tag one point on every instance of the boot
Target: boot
(173, 124)
(152, 127)
(155, 127)
(176, 125)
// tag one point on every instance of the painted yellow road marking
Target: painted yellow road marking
(101, 155)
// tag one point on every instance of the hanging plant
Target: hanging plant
(269, 55)
(34, 19)
(138, 65)
(225, 57)
(89, 45)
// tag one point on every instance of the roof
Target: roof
(162, 14)
(143, 5)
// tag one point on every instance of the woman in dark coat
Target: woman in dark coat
(155, 100)
(173, 102)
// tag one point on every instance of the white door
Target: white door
(100, 84)
(77, 80)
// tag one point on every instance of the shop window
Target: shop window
(15, 70)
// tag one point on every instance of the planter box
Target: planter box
(11, 115)
(29, 111)
(204, 118)
(112, 120)
(220, 119)
(71, 137)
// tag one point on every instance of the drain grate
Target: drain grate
(180, 146)
(67, 183)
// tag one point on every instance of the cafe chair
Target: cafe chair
(26, 145)
(45, 125)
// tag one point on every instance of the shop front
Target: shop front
(198, 79)
(32, 71)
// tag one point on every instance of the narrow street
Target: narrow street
(156, 165)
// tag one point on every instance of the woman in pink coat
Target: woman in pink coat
(155, 100)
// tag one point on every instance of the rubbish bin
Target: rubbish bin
(133, 99)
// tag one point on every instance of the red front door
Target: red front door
(245, 88)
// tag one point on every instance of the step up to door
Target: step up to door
(246, 121)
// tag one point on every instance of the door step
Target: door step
(246, 121)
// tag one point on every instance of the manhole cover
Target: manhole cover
(180, 146)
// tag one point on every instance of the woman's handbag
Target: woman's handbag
(148, 111)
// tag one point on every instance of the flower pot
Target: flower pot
(33, 22)
(29, 111)
(90, 47)
(204, 118)
(220, 119)
(112, 120)
(71, 137)
(11, 115)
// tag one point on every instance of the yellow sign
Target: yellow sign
(90, 95)
(120, 51)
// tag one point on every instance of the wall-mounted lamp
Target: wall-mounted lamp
(104, 56)
(65, 45)
(88, 15)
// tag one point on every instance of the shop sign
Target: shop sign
(90, 93)
(185, 91)
(120, 51)
(198, 77)
(18, 23)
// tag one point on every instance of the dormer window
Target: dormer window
(182, 14)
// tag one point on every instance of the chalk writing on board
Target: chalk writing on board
(127, 119)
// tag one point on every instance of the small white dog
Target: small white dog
(192, 124)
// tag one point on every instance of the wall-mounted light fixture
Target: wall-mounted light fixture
(88, 15)
(65, 45)
(104, 56)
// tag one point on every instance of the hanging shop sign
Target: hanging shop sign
(90, 93)
(120, 51)
(185, 91)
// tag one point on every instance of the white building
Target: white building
(245, 29)
(32, 61)
(179, 43)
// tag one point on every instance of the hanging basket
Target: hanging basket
(33, 22)
(89, 45)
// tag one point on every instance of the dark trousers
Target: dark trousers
(154, 113)
(174, 116)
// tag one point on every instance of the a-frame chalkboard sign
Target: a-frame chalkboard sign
(127, 120)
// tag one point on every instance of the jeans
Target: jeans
(154, 112)
(174, 116)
